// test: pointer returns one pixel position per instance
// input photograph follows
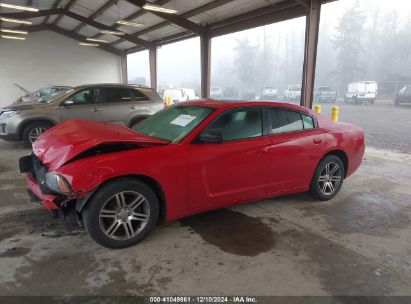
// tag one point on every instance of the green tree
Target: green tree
(244, 64)
(348, 45)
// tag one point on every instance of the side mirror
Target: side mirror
(210, 136)
(68, 102)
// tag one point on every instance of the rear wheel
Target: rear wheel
(121, 213)
(328, 178)
(32, 131)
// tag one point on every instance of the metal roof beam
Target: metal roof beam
(82, 38)
(66, 8)
(28, 15)
(54, 6)
(101, 10)
(98, 25)
(189, 14)
(173, 18)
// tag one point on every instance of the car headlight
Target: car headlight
(58, 184)
(8, 114)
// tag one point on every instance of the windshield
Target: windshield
(174, 123)
(53, 97)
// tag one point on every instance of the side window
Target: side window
(117, 95)
(87, 96)
(308, 122)
(285, 121)
(238, 124)
(83, 97)
(138, 95)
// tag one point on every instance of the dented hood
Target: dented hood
(63, 142)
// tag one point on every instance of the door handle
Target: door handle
(317, 141)
(133, 107)
(96, 110)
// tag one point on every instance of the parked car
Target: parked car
(403, 95)
(248, 93)
(324, 93)
(269, 93)
(189, 158)
(41, 94)
(361, 92)
(112, 103)
(293, 92)
(216, 92)
(179, 94)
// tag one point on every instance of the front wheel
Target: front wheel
(328, 178)
(33, 131)
(121, 213)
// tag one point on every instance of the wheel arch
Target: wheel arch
(341, 155)
(29, 121)
(149, 181)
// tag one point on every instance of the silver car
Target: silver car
(113, 103)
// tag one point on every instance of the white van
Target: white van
(179, 95)
(361, 92)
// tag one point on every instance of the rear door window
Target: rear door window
(283, 121)
(118, 95)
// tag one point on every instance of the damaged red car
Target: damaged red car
(189, 158)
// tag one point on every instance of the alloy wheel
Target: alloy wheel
(35, 133)
(124, 215)
(330, 178)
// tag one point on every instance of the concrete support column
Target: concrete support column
(123, 62)
(205, 46)
(310, 52)
(152, 55)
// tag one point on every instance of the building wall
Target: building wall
(46, 58)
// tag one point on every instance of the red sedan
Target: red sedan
(189, 158)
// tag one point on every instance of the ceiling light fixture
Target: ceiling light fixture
(156, 8)
(88, 44)
(12, 37)
(13, 31)
(112, 32)
(18, 7)
(125, 22)
(97, 40)
(15, 20)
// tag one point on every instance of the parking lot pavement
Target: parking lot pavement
(385, 126)
(356, 244)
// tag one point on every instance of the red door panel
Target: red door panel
(293, 159)
(222, 173)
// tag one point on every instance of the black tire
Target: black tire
(30, 128)
(315, 190)
(91, 214)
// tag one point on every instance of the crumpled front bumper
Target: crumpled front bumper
(49, 201)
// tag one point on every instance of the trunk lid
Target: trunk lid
(58, 145)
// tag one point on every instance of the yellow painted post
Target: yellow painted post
(167, 101)
(317, 108)
(334, 113)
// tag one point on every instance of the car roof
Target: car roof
(222, 103)
(118, 85)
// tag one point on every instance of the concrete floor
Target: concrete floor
(357, 244)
